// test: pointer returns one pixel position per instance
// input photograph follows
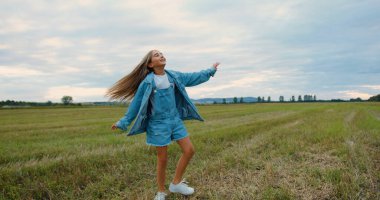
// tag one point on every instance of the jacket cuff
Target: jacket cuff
(118, 125)
(212, 71)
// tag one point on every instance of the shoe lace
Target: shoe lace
(184, 182)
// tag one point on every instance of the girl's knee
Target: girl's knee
(163, 159)
(162, 154)
(190, 151)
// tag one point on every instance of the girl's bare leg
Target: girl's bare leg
(187, 153)
(162, 160)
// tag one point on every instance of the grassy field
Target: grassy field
(243, 151)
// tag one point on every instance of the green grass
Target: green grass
(243, 151)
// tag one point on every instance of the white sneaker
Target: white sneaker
(181, 188)
(160, 196)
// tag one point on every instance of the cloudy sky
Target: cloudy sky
(266, 48)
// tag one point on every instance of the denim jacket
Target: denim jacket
(139, 105)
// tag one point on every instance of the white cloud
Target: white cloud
(4, 46)
(92, 41)
(7, 71)
(276, 10)
(86, 2)
(85, 58)
(355, 94)
(373, 87)
(15, 25)
(79, 94)
(50, 57)
(55, 42)
(68, 69)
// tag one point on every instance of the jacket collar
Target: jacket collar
(150, 77)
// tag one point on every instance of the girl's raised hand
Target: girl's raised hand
(216, 65)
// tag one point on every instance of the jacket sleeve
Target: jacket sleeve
(133, 109)
(196, 78)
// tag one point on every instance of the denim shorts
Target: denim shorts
(161, 132)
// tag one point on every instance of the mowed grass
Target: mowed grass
(243, 151)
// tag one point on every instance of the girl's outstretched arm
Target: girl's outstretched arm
(133, 109)
(196, 78)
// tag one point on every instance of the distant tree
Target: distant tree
(356, 100)
(374, 98)
(224, 101)
(299, 98)
(241, 100)
(315, 98)
(235, 99)
(66, 100)
(337, 100)
(11, 102)
(258, 99)
(293, 99)
(215, 102)
(307, 97)
(262, 99)
(268, 98)
(281, 98)
(49, 103)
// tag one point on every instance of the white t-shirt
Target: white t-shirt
(161, 81)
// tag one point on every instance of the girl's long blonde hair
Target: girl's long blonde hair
(126, 87)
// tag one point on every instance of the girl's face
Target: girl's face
(158, 60)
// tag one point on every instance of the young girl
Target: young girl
(160, 103)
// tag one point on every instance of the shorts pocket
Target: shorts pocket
(158, 129)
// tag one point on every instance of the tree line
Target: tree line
(68, 100)
(305, 98)
(65, 101)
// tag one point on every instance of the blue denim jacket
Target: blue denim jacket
(139, 105)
